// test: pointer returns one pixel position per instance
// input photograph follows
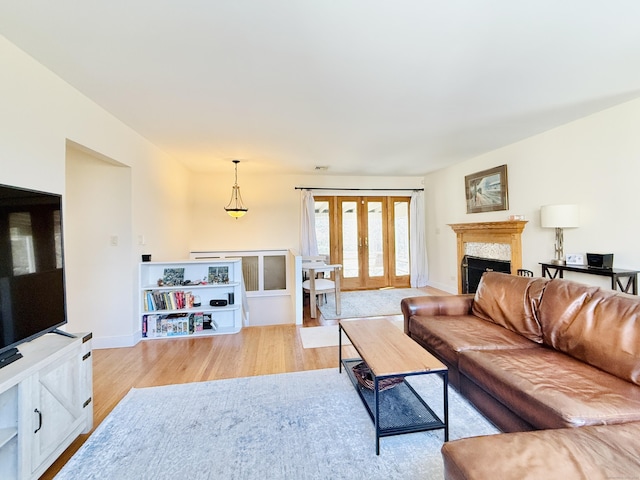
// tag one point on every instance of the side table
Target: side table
(551, 270)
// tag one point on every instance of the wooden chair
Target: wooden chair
(320, 286)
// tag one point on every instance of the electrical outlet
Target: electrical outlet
(114, 240)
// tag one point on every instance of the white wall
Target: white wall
(593, 162)
(273, 220)
(98, 190)
(40, 113)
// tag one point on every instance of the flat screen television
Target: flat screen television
(32, 292)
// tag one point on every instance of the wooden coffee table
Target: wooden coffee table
(390, 353)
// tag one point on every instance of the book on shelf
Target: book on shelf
(177, 324)
(167, 300)
(198, 324)
(189, 299)
(150, 325)
(172, 325)
(158, 326)
(149, 303)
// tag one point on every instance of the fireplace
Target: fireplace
(496, 241)
(473, 268)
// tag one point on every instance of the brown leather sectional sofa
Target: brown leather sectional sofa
(538, 354)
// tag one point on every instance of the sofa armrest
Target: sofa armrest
(435, 305)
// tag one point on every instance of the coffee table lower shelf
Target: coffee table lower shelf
(400, 409)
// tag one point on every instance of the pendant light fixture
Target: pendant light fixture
(236, 208)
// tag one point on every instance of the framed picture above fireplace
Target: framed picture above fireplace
(487, 191)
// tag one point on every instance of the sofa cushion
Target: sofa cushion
(549, 389)
(432, 305)
(599, 327)
(511, 302)
(449, 335)
(589, 453)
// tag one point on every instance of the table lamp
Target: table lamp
(559, 217)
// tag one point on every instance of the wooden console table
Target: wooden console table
(552, 270)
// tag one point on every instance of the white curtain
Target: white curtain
(308, 240)
(417, 241)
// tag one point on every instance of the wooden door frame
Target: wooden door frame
(335, 219)
(367, 281)
(394, 279)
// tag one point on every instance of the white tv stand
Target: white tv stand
(45, 403)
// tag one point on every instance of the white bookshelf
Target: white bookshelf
(168, 290)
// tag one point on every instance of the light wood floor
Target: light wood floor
(254, 351)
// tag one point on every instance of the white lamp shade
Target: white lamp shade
(560, 216)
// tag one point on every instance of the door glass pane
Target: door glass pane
(322, 227)
(401, 228)
(376, 254)
(250, 273)
(275, 273)
(350, 239)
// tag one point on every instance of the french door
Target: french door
(369, 236)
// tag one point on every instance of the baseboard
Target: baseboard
(443, 287)
(115, 342)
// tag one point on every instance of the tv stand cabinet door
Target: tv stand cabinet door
(54, 409)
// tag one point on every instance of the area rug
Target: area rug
(303, 425)
(327, 335)
(368, 303)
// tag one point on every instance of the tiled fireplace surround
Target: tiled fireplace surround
(492, 240)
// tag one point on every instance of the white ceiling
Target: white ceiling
(374, 87)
